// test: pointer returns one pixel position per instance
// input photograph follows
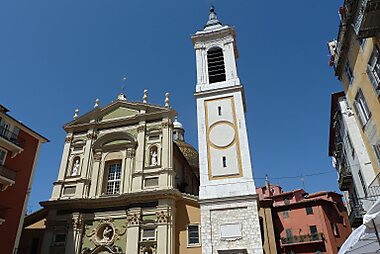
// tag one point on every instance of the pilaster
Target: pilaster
(133, 230)
(140, 153)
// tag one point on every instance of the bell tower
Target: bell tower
(229, 209)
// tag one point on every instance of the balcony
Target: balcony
(356, 215)
(11, 141)
(374, 189)
(345, 180)
(302, 239)
(7, 178)
(367, 23)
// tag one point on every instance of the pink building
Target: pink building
(307, 223)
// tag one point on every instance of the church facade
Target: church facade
(129, 183)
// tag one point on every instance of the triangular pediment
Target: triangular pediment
(117, 110)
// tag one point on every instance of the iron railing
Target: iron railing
(11, 136)
(302, 238)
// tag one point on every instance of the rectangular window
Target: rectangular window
(219, 111)
(376, 148)
(309, 210)
(193, 235)
(3, 155)
(313, 230)
(335, 229)
(148, 234)
(373, 69)
(285, 214)
(349, 73)
(361, 108)
(364, 187)
(224, 161)
(113, 178)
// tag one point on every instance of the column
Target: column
(128, 170)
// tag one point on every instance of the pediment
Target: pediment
(117, 110)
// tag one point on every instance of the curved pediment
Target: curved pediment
(116, 139)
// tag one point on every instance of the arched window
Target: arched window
(216, 69)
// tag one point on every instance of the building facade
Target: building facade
(351, 160)
(228, 200)
(124, 184)
(307, 223)
(19, 149)
(355, 57)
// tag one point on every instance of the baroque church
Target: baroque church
(129, 183)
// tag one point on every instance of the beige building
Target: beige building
(355, 56)
(124, 184)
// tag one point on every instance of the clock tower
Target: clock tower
(229, 204)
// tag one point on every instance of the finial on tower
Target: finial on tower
(212, 18)
(145, 97)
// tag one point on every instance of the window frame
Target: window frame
(188, 235)
(146, 239)
(361, 107)
(309, 210)
(349, 72)
(376, 149)
(5, 156)
(108, 164)
(373, 69)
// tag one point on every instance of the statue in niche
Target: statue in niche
(107, 234)
(153, 158)
(75, 170)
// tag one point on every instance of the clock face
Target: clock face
(222, 134)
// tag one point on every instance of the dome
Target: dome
(189, 152)
(177, 125)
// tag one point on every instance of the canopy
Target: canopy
(365, 239)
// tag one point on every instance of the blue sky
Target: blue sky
(56, 56)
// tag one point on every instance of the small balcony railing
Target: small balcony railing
(374, 189)
(8, 173)
(11, 136)
(300, 239)
(345, 180)
(366, 23)
(356, 215)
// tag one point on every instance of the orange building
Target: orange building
(307, 223)
(19, 147)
